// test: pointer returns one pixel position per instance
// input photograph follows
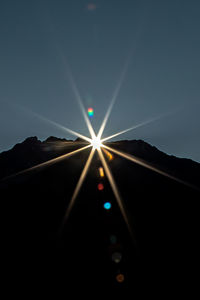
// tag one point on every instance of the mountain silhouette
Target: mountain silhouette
(95, 246)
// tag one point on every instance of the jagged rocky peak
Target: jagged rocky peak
(30, 140)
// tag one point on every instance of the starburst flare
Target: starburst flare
(96, 142)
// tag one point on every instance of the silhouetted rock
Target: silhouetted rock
(162, 213)
(80, 140)
(53, 139)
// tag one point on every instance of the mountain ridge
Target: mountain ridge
(162, 213)
(32, 151)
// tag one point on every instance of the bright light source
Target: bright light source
(96, 143)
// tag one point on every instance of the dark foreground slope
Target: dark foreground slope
(38, 257)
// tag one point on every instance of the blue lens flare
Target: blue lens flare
(107, 205)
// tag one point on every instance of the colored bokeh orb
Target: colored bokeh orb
(116, 257)
(100, 186)
(101, 172)
(113, 239)
(91, 6)
(120, 278)
(107, 205)
(90, 112)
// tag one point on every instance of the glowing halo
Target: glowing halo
(96, 143)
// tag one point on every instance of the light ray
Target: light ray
(72, 82)
(63, 127)
(115, 191)
(78, 98)
(131, 128)
(79, 184)
(148, 166)
(115, 95)
(47, 163)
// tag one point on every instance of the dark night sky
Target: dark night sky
(160, 40)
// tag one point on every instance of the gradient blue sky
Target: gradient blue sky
(158, 40)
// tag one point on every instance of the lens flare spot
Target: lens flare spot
(113, 239)
(100, 186)
(108, 154)
(101, 172)
(120, 278)
(90, 112)
(107, 205)
(91, 7)
(116, 257)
